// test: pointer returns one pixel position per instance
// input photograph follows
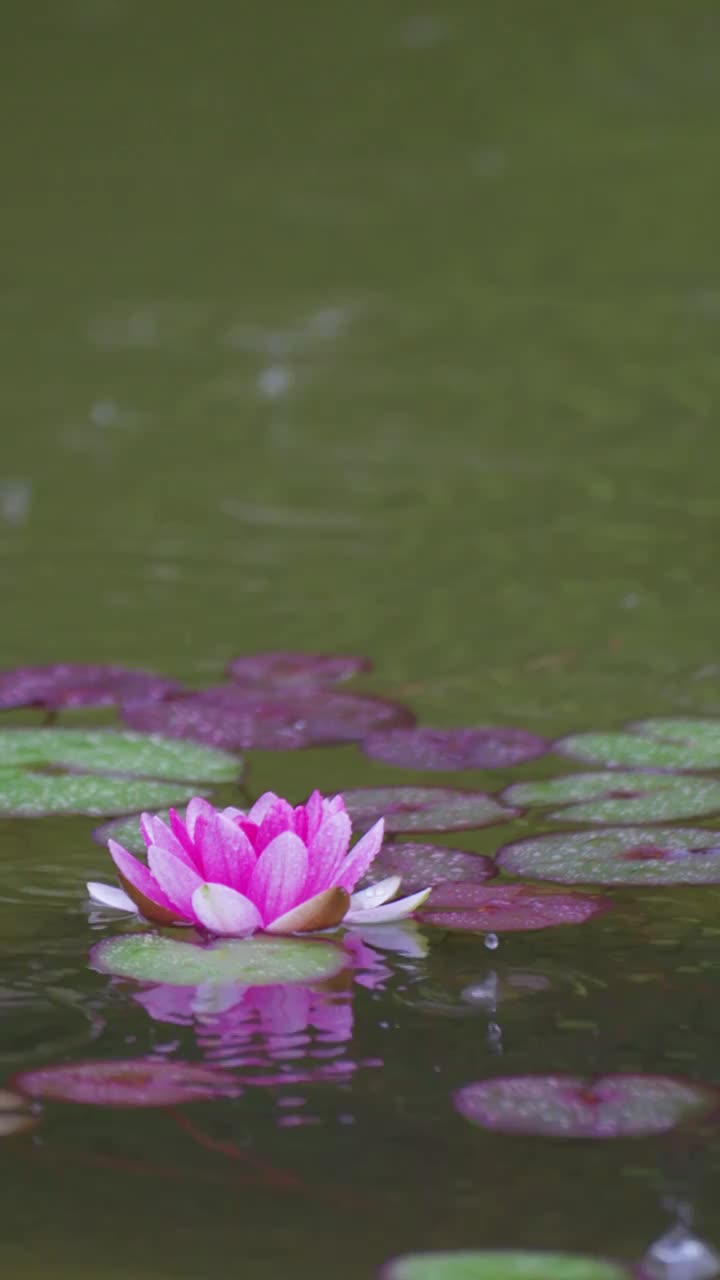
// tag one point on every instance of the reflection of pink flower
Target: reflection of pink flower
(276, 868)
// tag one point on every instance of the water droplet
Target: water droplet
(492, 942)
(678, 1255)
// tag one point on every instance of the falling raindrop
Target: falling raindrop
(679, 1255)
(492, 942)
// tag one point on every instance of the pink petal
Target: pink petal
(180, 831)
(359, 858)
(154, 831)
(314, 810)
(108, 896)
(261, 806)
(137, 874)
(327, 852)
(177, 880)
(398, 910)
(196, 807)
(300, 822)
(226, 855)
(278, 879)
(223, 911)
(376, 894)
(279, 817)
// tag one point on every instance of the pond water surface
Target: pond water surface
(387, 330)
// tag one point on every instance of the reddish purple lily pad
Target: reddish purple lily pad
(424, 808)
(67, 684)
(424, 864)
(507, 908)
(296, 671)
(133, 1082)
(487, 747)
(614, 1106)
(236, 719)
(618, 855)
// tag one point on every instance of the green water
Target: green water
(387, 329)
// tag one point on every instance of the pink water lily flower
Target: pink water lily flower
(276, 868)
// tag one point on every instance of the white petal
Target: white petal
(108, 896)
(404, 939)
(390, 911)
(375, 894)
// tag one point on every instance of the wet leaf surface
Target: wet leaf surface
(24, 794)
(116, 751)
(613, 1106)
(298, 671)
(470, 1264)
(507, 908)
(424, 808)
(76, 685)
(256, 962)
(426, 864)
(620, 796)
(134, 1082)
(656, 743)
(622, 856)
(486, 747)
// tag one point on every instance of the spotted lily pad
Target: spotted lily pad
(468, 1264)
(621, 797)
(301, 671)
(619, 855)
(424, 864)
(72, 685)
(114, 751)
(237, 719)
(658, 743)
(507, 908)
(24, 794)
(257, 962)
(614, 1106)
(424, 808)
(133, 1082)
(488, 747)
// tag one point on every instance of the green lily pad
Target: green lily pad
(658, 743)
(126, 831)
(618, 855)
(256, 962)
(501, 1265)
(620, 797)
(113, 751)
(36, 795)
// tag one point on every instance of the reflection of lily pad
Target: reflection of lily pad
(659, 743)
(15, 1114)
(621, 797)
(238, 719)
(424, 864)
(68, 684)
(34, 795)
(257, 962)
(112, 751)
(501, 1265)
(507, 908)
(615, 1106)
(489, 747)
(134, 1082)
(424, 808)
(296, 670)
(620, 855)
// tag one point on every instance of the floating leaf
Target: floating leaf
(257, 962)
(24, 794)
(424, 808)
(126, 831)
(132, 1082)
(507, 907)
(237, 720)
(301, 671)
(621, 797)
(116, 751)
(467, 1264)
(72, 685)
(614, 1106)
(487, 747)
(658, 743)
(424, 864)
(15, 1114)
(620, 855)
